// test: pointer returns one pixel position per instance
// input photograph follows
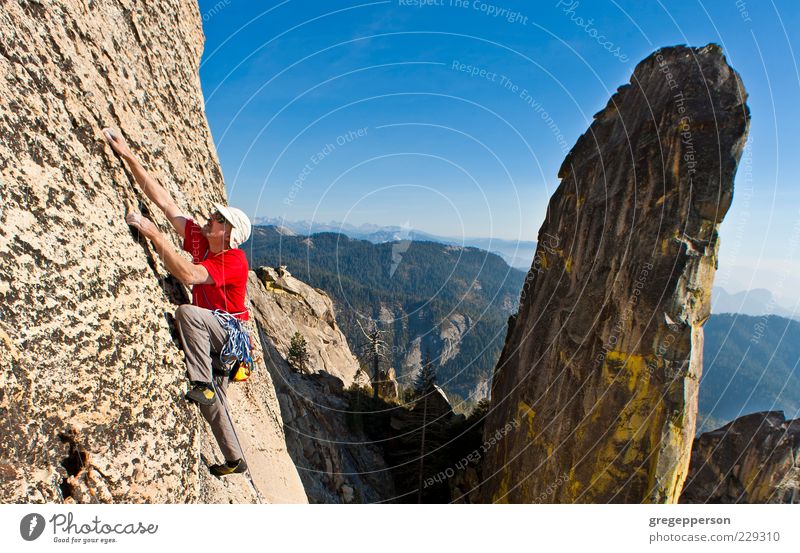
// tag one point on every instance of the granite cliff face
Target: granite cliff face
(601, 364)
(754, 459)
(91, 378)
(336, 463)
(297, 307)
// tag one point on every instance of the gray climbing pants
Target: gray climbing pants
(203, 337)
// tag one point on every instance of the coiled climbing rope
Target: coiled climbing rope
(237, 347)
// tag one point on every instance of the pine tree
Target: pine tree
(298, 353)
(426, 377)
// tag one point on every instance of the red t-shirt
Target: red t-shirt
(228, 269)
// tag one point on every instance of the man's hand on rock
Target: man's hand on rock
(144, 225)
(118, 144)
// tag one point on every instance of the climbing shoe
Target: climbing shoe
(201, 394)
(231, 467)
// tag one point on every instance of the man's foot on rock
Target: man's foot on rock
(231, 467)
(202, 394)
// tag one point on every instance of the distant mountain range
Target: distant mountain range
(749, 364)
(451, 301)
(756, 302)
(454, 302)
(517, 253)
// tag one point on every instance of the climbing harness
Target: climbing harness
(236, 354)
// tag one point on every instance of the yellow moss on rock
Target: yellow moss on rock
(635, 364)
(525, 410)
(636, 430)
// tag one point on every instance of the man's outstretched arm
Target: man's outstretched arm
(157, 194)
(178, 266)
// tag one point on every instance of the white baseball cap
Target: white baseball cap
(239, 221)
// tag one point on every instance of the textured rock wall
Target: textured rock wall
(91, 380)
(602, 362)
(754, 459)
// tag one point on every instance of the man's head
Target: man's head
(227, 227)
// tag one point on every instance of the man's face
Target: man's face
(217, 226)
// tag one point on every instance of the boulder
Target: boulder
(753, 459)
(387, 384)
(295, 306)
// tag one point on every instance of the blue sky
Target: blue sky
(454, 116)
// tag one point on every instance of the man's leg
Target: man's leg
(203, 337)
(218, 418)
(201, 334)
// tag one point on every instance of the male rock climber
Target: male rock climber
(218, 276)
